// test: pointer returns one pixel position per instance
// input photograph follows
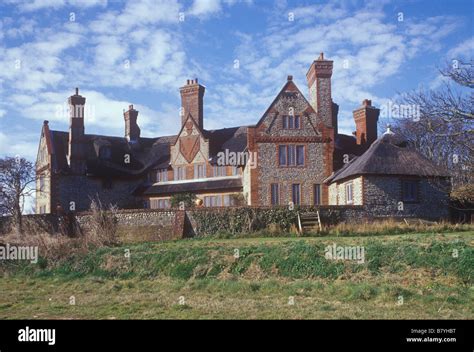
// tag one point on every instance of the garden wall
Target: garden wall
(156, 225)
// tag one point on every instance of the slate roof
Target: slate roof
(149, 153)
(345, 145)
(389, 155)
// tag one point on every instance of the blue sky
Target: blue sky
(140, 52)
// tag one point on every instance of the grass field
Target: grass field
(412, 276)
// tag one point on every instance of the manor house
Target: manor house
(293, 153)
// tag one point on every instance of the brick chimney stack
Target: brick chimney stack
(76, 154)
(319, 83)
(192, 95)
(366, 118)
(132, 131)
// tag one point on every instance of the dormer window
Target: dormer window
(105, 153)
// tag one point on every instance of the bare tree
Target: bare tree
(443, 127)
(17, 181)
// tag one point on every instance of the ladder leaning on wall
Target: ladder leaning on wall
(308, 222)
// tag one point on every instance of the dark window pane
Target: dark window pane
(300, 155)
(282, 155)
(275, 194)
(291, 155)
(297, 122)
(285, 121)
(317, 194)
(296, 196)
(290, 122)
(410, 191)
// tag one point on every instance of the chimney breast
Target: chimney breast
(319, 84)
(76, 154)
(366, 118)
(132, 131)
(192, 102)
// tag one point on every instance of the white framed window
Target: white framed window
(179, 173)
(349, 193)
(160, 203)
(162, 175)
(213, 201)
(218, 171)
(200, 171)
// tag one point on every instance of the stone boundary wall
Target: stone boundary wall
(33, 223)
(162, 224)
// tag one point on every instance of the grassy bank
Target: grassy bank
(403, 276)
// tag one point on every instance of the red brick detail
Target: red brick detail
(192, 96)
(366, 118)
(328, 137)
(252, 147)
(189, 146)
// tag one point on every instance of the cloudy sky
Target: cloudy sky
(141, 51)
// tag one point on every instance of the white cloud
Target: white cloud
(205, 7)
(35, 5)
(137, 14)
(25, 145)
(463, 51)
(103, 114)
(36, 65)
(367, 48)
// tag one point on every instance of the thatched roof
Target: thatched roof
(389, 155)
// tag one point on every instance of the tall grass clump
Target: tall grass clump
(102, 229)
(392, 227)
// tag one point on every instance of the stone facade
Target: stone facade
(272, 132)
(381, 196)
(339, 192)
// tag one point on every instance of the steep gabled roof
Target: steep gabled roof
(289, 87)
(389, 155)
